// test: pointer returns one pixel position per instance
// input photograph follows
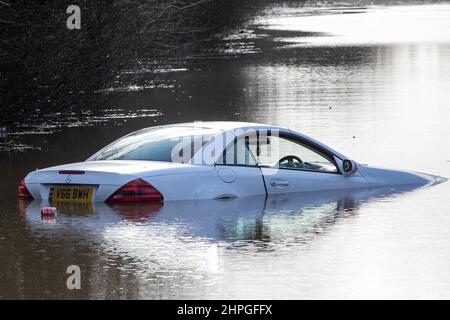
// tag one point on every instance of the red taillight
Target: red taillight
(23, 191)
(136, 191)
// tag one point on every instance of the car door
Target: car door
(237, 173)
(290, 164)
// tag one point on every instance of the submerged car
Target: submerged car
(209, 160)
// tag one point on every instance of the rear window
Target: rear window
(169, 144)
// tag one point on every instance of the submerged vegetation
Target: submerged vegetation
(45, 67)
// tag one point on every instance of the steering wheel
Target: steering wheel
(290, 161)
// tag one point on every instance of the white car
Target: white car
(209, 160)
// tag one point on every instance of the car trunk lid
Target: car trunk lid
(103, 176)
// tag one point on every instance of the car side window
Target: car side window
(284, 153)
(238, 153)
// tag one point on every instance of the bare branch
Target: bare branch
(194, 4)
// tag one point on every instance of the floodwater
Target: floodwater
(373, 83)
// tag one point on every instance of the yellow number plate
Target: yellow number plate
(71, 193)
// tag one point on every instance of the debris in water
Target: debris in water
(48, 211)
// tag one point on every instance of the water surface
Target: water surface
(373, 83)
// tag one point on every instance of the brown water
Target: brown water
(373, 84)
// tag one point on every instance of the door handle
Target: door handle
(279, 183)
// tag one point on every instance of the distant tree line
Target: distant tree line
(46, 66)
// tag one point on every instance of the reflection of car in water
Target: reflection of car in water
(210, 160)
(198, 236)
(257, 218)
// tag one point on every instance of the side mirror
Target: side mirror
(348, 167)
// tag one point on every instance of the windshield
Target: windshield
(169, 144)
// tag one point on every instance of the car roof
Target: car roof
(233, 125)
(224, 125)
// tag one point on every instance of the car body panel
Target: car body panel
(379, 177)
(209, 184)
(105, 176)
(292, 180)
